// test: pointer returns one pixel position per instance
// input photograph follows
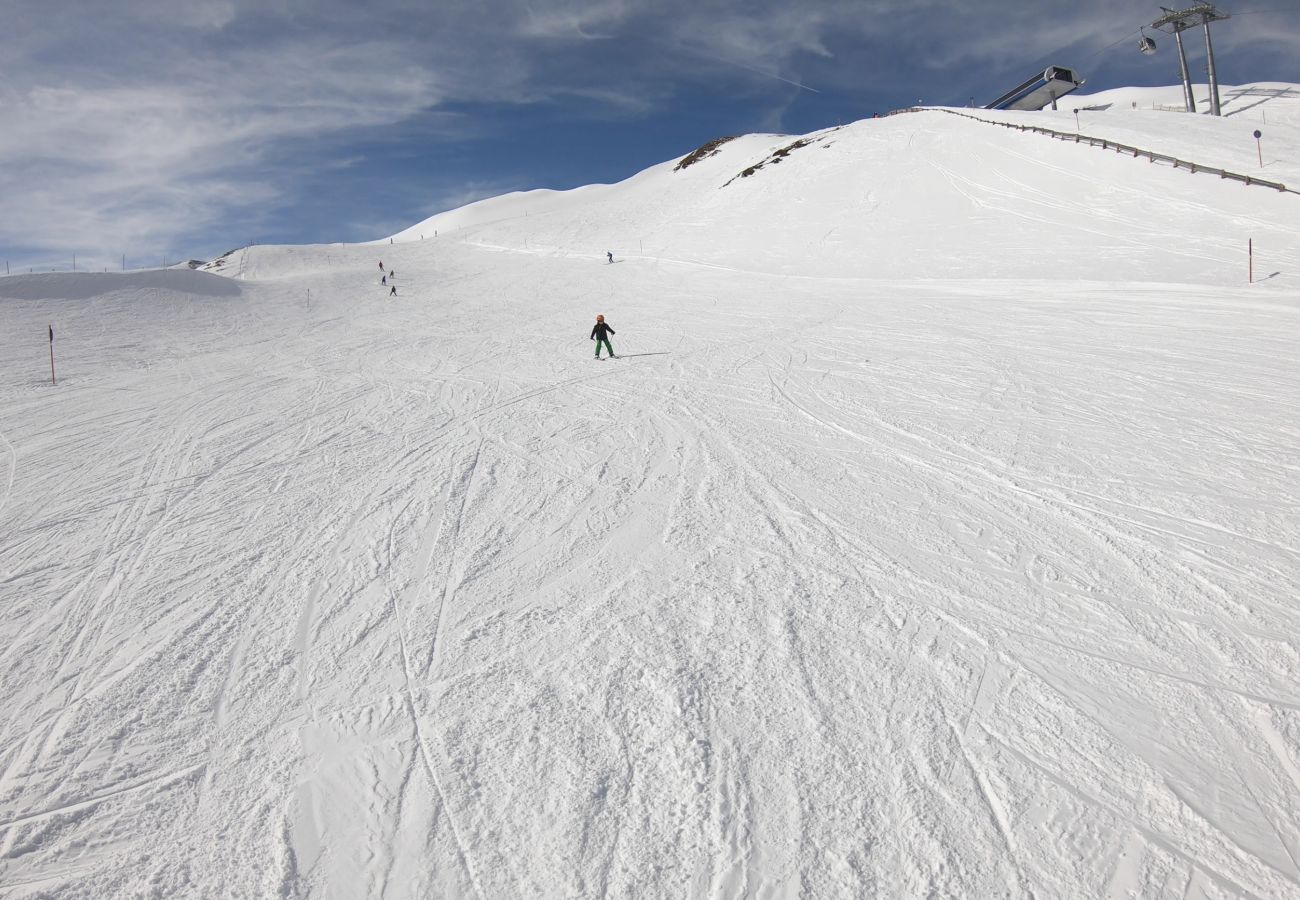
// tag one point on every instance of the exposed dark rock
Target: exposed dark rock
(703, 152)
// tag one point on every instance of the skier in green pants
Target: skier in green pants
(600, 334)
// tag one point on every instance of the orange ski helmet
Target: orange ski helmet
(600, 318)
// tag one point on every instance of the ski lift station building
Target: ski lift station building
(1044, 88)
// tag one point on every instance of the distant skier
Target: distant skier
(384, 280)
(381, 265)
(392, 273)
(393, 291)
(609, 255)
(600, 334)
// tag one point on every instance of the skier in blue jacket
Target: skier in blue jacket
(600, 334)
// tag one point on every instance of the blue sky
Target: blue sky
(155, 129)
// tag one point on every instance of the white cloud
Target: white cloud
(128, 163)
(586, 19)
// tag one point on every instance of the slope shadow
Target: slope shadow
(630, 355)
(1265, 95)
(87, 285)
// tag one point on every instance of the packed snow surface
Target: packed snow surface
(934, 534)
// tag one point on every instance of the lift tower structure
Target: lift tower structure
(1175, 22)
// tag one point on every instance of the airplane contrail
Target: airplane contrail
(768, 74)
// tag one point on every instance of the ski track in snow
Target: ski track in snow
(13, 469)
(838, 583)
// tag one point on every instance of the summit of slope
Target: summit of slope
(1153, 119)
(930, 195)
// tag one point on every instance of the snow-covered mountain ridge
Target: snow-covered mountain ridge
(872, 198)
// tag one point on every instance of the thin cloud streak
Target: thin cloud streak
(770, 75)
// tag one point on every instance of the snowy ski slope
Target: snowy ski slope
(935, 534)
